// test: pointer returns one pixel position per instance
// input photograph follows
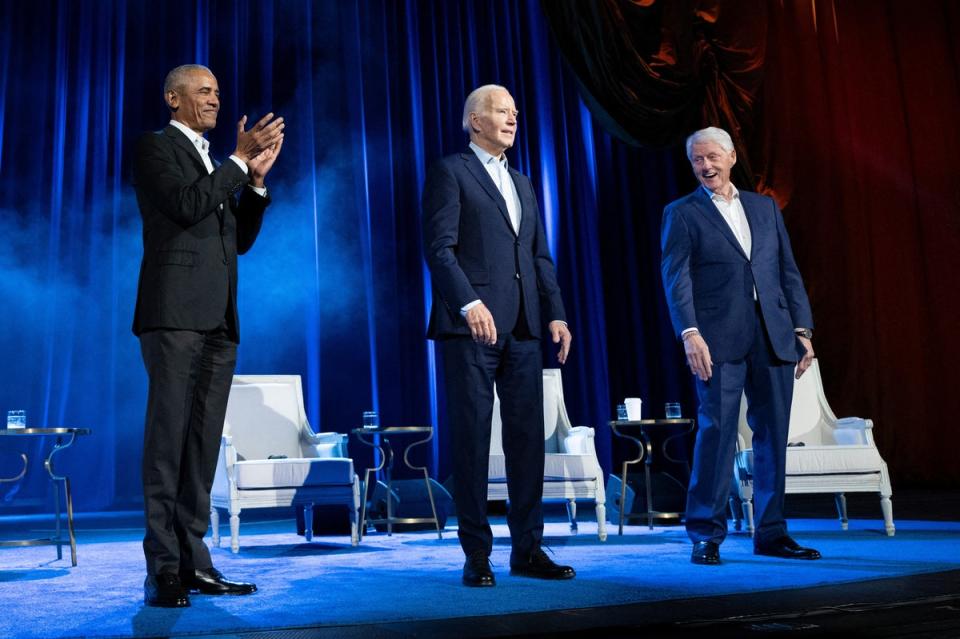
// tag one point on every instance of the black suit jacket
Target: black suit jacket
(188, 276)
(473, 252)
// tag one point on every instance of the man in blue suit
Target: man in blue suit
(494, 284)
(738, 303)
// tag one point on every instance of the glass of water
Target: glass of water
(371, 419)
(622, 412)
(672, 410)
(16, 419)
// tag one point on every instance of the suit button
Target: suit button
(225, 261)
(517, 276)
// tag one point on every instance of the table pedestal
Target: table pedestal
(65, 439)
(379, 439)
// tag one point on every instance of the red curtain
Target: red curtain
(846, 112)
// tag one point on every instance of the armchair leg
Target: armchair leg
(735, 514)
(355, 513)
(308, 522)
(748, 515)
(572, 514)
(215, 526)
(887, 506)
(841, 500)
(235, 532)
(602, 521)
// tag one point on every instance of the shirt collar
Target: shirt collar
(198, 141)
(486, 158)
(716, 197)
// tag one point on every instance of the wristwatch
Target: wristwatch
(804, 332)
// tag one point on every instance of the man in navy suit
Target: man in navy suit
(738, 303)
(197, 217)
(494, 284)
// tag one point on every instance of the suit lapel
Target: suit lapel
(180, 139)
(709, 209)
(519, 187)
(747, 202)
(480, 174)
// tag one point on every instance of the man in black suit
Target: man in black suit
(493, 284)
(197, 217)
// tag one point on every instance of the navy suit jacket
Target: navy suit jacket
(709, 281)
(473, 252)
(188, 276)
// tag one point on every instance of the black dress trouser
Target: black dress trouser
(190, 375)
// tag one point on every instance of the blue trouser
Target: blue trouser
(768, 384)
(470, 372)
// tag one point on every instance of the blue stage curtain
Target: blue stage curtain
(335, 288)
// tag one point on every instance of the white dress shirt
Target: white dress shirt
(497, 169)
(735, 218)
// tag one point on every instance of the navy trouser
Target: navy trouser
(768, 384)
(470, 370)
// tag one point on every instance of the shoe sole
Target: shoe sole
(521, 573)
(157, 604)
(479, 585)
(705, 562)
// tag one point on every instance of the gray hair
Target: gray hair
(478, 98)
(177, 78)
(709, 134)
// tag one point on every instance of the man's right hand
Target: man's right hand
(262, 135)
(482, 328)
(698, 356)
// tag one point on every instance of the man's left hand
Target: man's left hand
(561, 335)
(261, 164)
(807, 360)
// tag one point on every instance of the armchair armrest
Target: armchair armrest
(579, 441)
(324, 444)
(229, 452)
(852, 431)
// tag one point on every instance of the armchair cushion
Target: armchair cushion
(556, 467)
(293, 473)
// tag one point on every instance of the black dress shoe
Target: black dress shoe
(476, 570)
(785, 547)
(165, 591)
(210, 581)
(706, 553)
(540, 566)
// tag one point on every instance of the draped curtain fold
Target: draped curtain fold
(842, 110)
(335, 288)
(845, 112)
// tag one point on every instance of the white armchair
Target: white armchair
(270, 457)
(824, 455)
(571, 469)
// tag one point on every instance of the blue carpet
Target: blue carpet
(414, 577)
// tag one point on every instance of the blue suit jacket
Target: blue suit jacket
(473, 252)
(709, 281)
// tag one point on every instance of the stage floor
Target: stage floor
(408, 584)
